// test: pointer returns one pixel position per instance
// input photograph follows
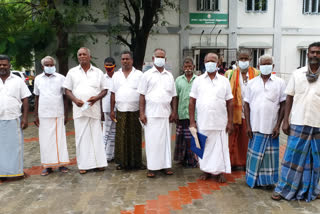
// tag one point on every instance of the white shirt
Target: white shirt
(125, 90)
(264, 101)
(83, 86)
(106, 99)
(211, 97)
(50, 92)
(306, 101)
(158, 88)
(243, 86)
(12, 91)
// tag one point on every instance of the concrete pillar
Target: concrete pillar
(184, 34)
(277, 35)
(233, 25)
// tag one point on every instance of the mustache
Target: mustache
(314, 60)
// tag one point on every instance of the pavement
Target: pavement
(114, 191)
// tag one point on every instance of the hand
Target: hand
(229, 128)
(286, 127)
(249, 132)
(36, 121)
(113, 116)
(275, 132)
(193, 124)
(24, 123)
(143, 118)
(92, 100)
(79, 103)
(173, 117)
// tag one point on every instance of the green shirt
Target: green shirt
(183, 90)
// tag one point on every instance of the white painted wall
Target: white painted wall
(255, 19)
(255, 39)
(194, 40)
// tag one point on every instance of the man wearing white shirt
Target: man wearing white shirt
(158, 107)
(85, 86)
(109, 126)
(264, 111)
(14, 94)
(51, 115)
(211, 96)
(299, 177)
(124, 96)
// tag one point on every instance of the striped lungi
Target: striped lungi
(262, 160)
(300, 168)
(109, 135)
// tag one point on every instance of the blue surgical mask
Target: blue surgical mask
(211, 67)
(266, 69)
(49, 70)
(243, 64)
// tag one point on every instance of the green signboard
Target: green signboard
(209, 18)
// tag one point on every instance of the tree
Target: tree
(140, 17)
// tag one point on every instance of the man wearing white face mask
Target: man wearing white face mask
(211, 96)
(264, 111)
(158, 107)
(238, 141)
(51, 115)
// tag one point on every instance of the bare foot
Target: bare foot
(204, 176)
(221, 178)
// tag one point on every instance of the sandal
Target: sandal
(82, 172)
(151, 174)
(101, 169)
(46, 171)
(63, 169)
(167, 171)
(276, 196)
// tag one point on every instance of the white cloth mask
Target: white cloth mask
(211, 67)
(49, 70)
(266, 69)
(159, 62)
(243, 64)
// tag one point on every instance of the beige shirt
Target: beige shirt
(11, 94)
(306, 101)
(83, 86)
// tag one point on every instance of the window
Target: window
(256, 55)
(208, 5)
(303, 57)
(311, 7)
(256, 5)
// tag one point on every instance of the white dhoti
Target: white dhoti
(158, 143)
(109, 136)
(89, 143)
(216, 157)
(53, 143)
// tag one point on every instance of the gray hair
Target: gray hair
(188, 59)
(264, 57)
(87, 49)
(159, 49)
(244, 51)
(48, 58)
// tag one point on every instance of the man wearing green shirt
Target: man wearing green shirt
(182, 152)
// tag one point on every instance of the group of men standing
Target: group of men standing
(240, 114)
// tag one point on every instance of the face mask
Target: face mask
(211, 67)
(234, 67)
(159, 62)
(49, 70)
(109, 69)
(266, 69)
(243, 65)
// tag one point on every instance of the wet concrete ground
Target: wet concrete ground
(114, 191)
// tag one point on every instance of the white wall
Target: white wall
(194, 40)
(255, 39)
(255, 19)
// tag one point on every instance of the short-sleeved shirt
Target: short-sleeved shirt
(306, 99)
(83, 86)
(264, 100)
(12, 91)
(50, 92)
(211, 97)
(125, 90)
(158, 88)
(106, 99)
(183, 88)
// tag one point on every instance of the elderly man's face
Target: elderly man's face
(126, 61)
(211, 58)
(48, 63)
(244, 57)
(314, 55)
(266, 62)
(159, 54)
(83, 57)
(188, 68)
(4, 67)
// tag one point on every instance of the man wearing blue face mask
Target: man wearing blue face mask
(211, 96)
(158, 108)
(264, 111)
(51, 115)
